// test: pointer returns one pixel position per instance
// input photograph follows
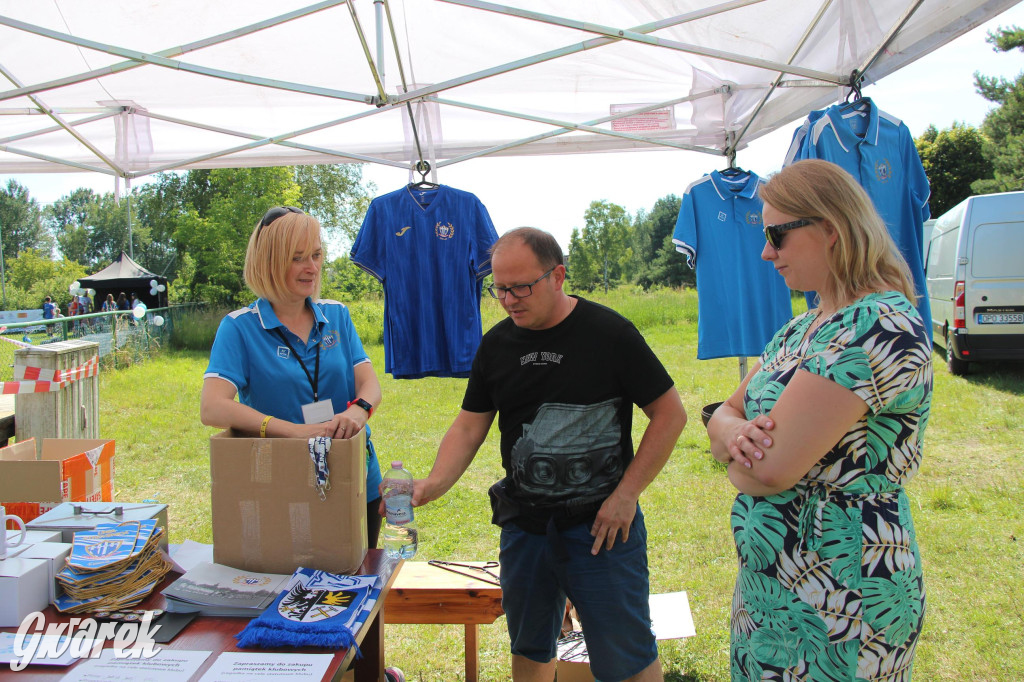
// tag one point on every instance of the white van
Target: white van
(975, 276)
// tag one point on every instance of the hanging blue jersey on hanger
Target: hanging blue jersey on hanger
(429, 248)
(741, 300)
(878, 150)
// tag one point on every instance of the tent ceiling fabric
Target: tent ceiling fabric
(131, 88)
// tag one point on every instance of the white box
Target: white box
(55, 554)
(69, 517)
(34, 536)
(22, 589)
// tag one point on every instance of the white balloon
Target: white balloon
(74, 287)
(92, 292)
(139, 311)
(158, 320)
(152, 292)
(161, 287)
(152, 282)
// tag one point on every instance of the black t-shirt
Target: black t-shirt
(565, 400)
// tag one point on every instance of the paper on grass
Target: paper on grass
(168, 665)
(670, 616)
(235, 667)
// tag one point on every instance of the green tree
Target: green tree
(336, 196)
(34, 275)
(953, 159)
(216, 241)
(68, 220)
(603, 248)
(661, 265)
(21, 224)
(1003, 126)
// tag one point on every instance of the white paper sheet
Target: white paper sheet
(189, 553)
(236, 667)
(670, 616)
(168, 665)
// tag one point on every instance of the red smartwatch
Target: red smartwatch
(363, 404)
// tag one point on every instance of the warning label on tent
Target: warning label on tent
(658, 119)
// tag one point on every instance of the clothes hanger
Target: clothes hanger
(857, 103)
(422, 167)
(732, 170)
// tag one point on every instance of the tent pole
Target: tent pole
(131, 245)
(378, 10)
(3, 277)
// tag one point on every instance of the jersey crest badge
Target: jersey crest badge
(329, 341)
(444, 230)
(753, 218)
(883, 171)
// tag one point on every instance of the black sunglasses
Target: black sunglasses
(275, 213)
(773, 233)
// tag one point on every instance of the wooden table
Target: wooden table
(210, 633)
(429, 595)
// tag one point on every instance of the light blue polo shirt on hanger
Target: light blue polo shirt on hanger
(248, 353)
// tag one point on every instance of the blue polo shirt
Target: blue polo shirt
(741, 300)
(249, 353)
(878, 150)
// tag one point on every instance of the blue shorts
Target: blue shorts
(610, 592)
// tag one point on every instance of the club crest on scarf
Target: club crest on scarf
(309, 606)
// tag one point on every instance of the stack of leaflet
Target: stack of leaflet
(217, 590)
(112, 567)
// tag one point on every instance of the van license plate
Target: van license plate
(1000, 318)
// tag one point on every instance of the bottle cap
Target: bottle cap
(397, 464)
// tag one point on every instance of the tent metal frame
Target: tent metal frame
(785, 74)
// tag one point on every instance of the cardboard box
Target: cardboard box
(66, 470)
(23, 589)
(267, 514)
(33, 537)
(70, 517)
(670, 619)
(55, 554)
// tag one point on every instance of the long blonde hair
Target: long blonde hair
(270, 252)
(864, 258)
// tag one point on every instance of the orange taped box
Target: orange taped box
(67, 470)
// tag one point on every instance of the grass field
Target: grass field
(967, 498)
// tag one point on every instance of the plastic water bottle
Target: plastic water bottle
(399, 533)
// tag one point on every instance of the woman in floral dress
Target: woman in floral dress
(820, 438)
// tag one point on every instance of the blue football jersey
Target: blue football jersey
(878, 150)
(741, 300)
(429, 249)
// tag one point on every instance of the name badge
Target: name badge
(318, 412)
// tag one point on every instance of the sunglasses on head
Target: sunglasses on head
(275, 213)
(773, 233)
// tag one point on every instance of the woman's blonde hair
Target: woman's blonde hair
(864, 258)
(271, 249)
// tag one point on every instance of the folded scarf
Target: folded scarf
(316, 609)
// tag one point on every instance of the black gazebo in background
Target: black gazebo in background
(126, 275)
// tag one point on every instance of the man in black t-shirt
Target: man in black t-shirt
(562, 374)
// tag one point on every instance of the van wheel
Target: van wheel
(956, 366)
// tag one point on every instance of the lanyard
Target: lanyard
(314, 379)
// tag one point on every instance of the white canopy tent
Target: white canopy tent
(129, 89)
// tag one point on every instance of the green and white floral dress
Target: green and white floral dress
(830, 584)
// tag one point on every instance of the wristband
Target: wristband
(263, 426)
(365, 404)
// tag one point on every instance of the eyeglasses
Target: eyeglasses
(275, 213)
(519, 290)
(773, 233)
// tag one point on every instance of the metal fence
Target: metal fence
(123, 339)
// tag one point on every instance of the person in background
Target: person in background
(133, 301)
(50, 311)
(820, 438)
(295, 362)
(122, 302)
(563, 374)
(109, 305)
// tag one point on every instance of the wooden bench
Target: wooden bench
(426, 594)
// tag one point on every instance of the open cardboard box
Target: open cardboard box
(67, 470)
(268, 516)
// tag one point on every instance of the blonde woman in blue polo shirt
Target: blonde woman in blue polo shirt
(294, 361)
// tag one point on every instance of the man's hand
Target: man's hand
(614, 517)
